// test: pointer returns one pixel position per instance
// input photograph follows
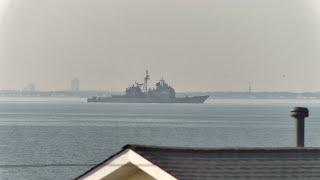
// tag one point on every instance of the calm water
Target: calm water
(51, 138)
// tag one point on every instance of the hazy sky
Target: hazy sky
(202, 45)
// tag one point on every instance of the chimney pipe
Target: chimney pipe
(300, 113)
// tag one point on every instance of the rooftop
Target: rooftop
(229, 163)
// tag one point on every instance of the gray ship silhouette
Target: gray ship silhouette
(139, 93)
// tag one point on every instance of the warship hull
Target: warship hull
(124, 99)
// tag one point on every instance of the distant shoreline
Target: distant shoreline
(83, 100)
(213, 95)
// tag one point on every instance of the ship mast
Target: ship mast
(146, 78)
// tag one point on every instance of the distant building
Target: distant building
(75, 84)
(250, 88)
(29, 87)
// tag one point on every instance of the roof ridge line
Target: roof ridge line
(174, 148)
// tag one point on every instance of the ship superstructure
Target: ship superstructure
(140, 93)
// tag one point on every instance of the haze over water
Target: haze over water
(210, 45)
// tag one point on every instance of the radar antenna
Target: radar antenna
(146, 78)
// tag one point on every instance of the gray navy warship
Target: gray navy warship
(139, 93)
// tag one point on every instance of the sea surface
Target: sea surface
(60, 138)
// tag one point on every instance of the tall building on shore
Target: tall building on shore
(75, 84)
(29, 87)
(250, 88)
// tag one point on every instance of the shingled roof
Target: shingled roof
(231, 163)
